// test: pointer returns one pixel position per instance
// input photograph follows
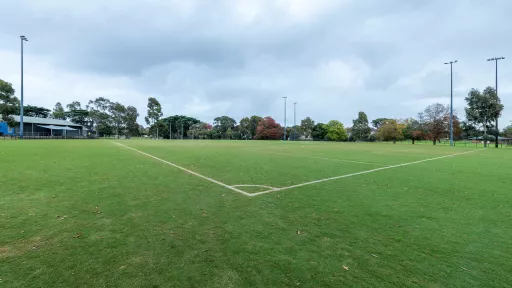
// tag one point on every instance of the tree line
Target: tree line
(103, 117)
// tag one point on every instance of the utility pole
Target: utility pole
(451, 100)
(495, 59)
(294, 121)
(23, 39)
(284, 118)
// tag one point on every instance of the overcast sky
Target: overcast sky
(240, 57)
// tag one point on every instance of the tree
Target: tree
(391, 129)
(336, 131)
(434, 120)
(245, 131)
(8, 103)
(307, 124)
(58, 112)
(360, 129)
(413, 130)
(36, 111)
(99, 116)
(154, 111)
(319, 132)
(377, 122)
(130, 119)
(222, 124)
(254, 121)
(468, 130)
(507, 132)
(118, 113)
(483, 108)
(179, 125)
(268, 129)
(76, 114)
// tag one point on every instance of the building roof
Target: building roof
(45, 121)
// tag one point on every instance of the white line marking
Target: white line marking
(323, 158)
(264, 186)
(358, 173)
(184, 169)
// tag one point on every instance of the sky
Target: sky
(240, 57)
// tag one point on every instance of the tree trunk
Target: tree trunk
(412, 141)
(434, 142)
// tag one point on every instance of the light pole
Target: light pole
(294, 121)
(495, 59)
(284, 138)
(451, 100)
(23, 39)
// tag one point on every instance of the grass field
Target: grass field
(100, 214)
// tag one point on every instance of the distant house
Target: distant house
(37, 127)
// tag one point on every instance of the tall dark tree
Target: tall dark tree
(413, 130)
(244, 128)
(78, 115)
(154, 111)
(319, 132)
(36, 111)
(179, 124)
(118, 114)
(377, 122)
(99, 116)
(59, 112)
(132, 127)
(307, 124)
(222, 124)
(360, 129)
(483, 108)
(8, 103)
(254, 121)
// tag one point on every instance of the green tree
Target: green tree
(336, 131)
(222, 124)
(118, 114)
(483, 108)
(507, 132)
(391, 130)
(413, 130)
(253, 126)
(154, 111)
(360, 129)
(132, 127)
(307, 124)
(99, 116)
(8, 103)
(58, 112)
(36, 111)
(319, 132)
(245, 130)
(77, 115)
(377, 122)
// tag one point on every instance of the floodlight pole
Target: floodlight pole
(284, 138)
(170, 130)
(451, 100)
(294, 121)
(495, 59)
(23, 39)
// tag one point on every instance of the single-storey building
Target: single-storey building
(47, 127)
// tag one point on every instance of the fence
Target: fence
(459, 143)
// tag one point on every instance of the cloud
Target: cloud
(239, 58)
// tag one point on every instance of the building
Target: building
(47, 127)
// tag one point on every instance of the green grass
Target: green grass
(144, 223)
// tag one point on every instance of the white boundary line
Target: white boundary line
(322, 158)
(264, 186)
(358, 173)
(289, 187)
(186, 170)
